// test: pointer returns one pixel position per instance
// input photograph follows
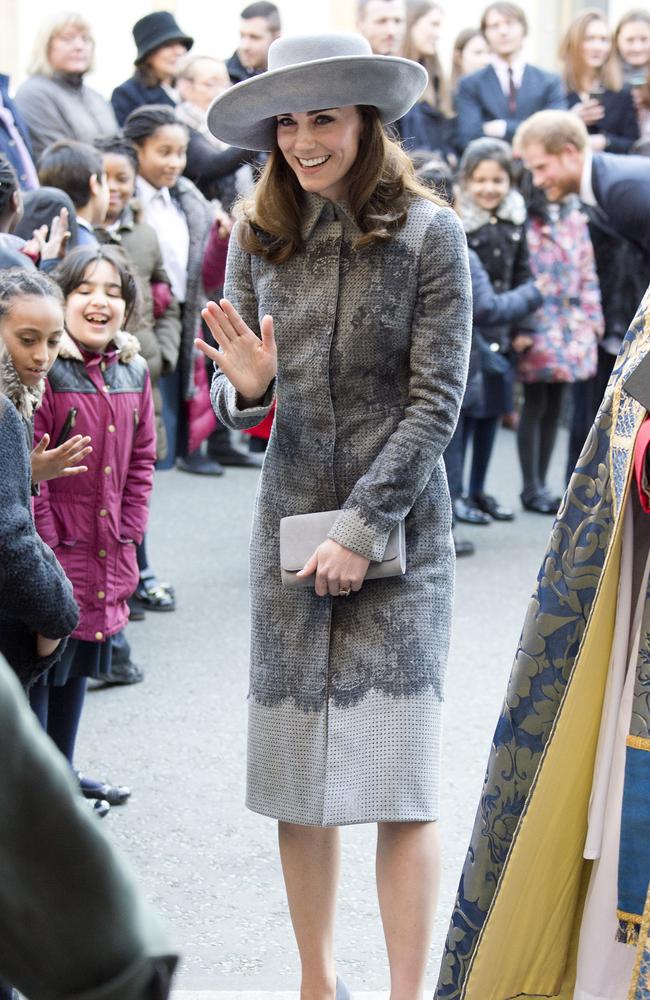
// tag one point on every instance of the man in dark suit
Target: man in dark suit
(494, 100)
(554, 146)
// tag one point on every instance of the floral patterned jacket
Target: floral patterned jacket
(569, 323)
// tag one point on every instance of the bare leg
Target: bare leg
(310, 864)
(408, 877)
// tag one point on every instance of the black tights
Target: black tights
(537, 431)
(58, 709)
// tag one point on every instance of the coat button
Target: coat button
(102, 553)
(105, 388)
(101, 595)
(102, 365)
(99, 636)
(111, 428)
(497, 252)
(107, 470)
(103, 512)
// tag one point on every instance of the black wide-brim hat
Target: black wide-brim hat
(312, 73)
(153, 31)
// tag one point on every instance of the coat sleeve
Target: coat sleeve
(168, 326)
(469, 116)
(627, 124)
(106, 943)
(41, 113)
(239, 290)
(439, 355)
(206, 164)
(33, 587)
(492, 308)
(46, 522)
(123, 103)
(139, 480)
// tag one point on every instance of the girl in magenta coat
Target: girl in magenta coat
(99, 386)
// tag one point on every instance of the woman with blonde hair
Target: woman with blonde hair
(54, 101)
(364, 275)
(593, 78)
(428, 125)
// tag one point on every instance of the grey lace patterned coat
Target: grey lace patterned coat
(345, 694)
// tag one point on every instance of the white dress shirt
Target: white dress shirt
(501, 68)
(164, 215)
(587, 196)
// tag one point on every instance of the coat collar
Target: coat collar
(25, 398)
(512, 209)
(126, 348)
(317, 207)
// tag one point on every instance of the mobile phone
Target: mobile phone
(70, 421)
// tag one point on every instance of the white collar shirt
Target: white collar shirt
(164, 215)
(501, 68)
(587, 196)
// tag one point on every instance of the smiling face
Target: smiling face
(425, 33)
(32, 331)
(557, 174)
(120, 177)
(634, 43)
(488, 185)
(321, 147)
(162, 156)
(596, 44)
(164, 63)
(94, 310)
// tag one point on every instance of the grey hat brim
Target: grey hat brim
(244, 115)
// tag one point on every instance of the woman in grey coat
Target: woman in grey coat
(348, 302)
(54, 101)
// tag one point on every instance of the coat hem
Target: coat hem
(281, 817)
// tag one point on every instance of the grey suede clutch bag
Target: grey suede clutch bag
(301, 535)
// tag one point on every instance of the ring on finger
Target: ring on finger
(344, 592)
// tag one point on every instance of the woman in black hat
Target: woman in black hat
(161, 45)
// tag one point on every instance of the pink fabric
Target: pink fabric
(161, 294)
(214, 261)
(640, 456)
(201, 420)
(105, 509)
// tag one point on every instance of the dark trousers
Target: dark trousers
(536, 434)
(482, 432)
(586, 399)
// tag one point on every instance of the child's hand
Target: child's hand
(57, 244)
(521, 343)
(61, 461)
(34, 247)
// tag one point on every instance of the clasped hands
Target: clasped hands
(250, 364)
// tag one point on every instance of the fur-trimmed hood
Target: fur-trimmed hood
(512, 209)
(128, 347)
(24, 397)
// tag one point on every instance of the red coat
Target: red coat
(93, 520)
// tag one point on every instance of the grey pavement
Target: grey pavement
(208, 865)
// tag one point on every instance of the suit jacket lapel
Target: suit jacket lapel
(495, 99)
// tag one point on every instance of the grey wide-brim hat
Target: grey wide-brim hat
(312, 73)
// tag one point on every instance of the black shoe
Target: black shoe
(462, 547)
(489, 505)
(465, 511)
(234, 457)
(199, 465)
(152, 596)
(115, 795)
(122, 673)
(541, 503)
(136, 613)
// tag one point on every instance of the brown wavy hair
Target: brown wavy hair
(570, 53)
(382, 185)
